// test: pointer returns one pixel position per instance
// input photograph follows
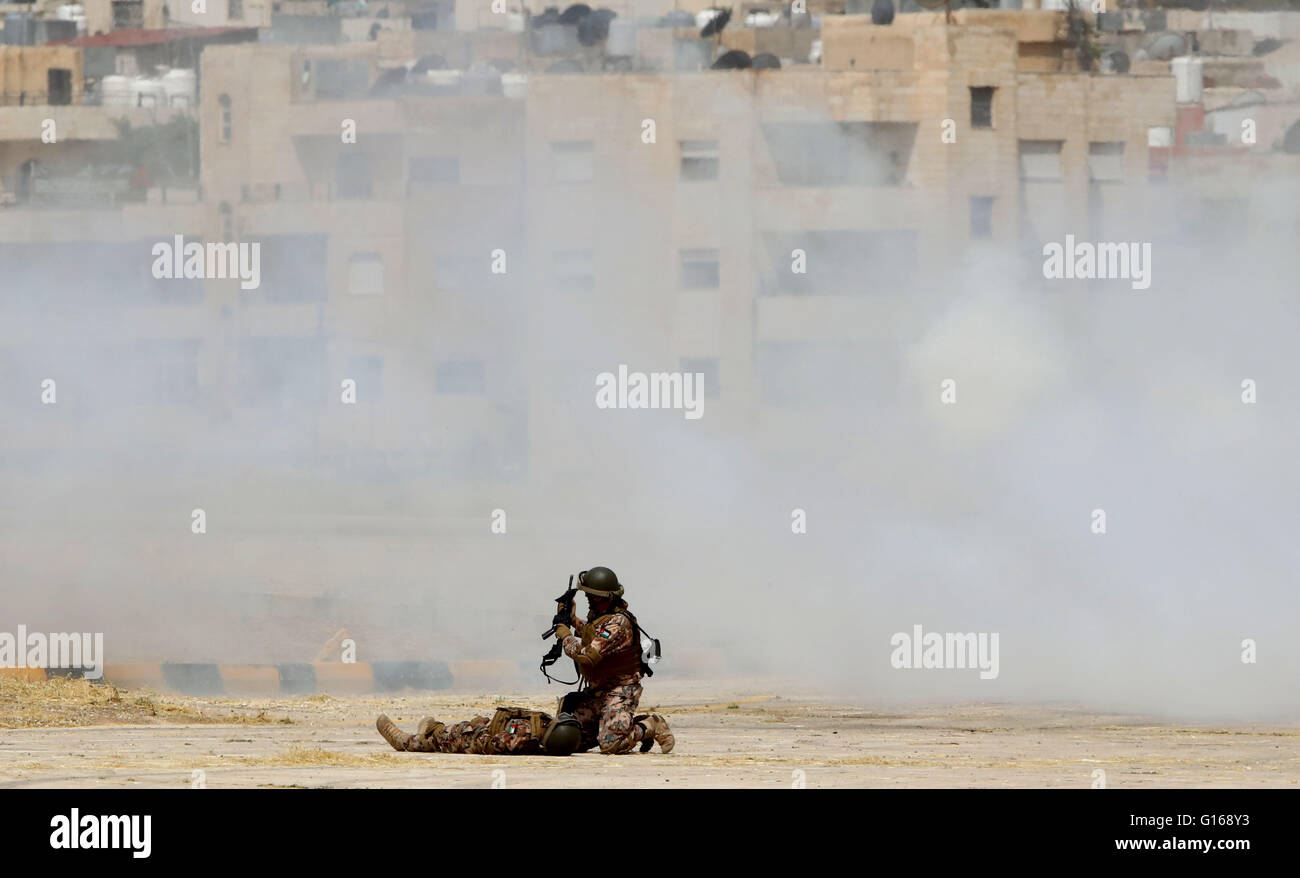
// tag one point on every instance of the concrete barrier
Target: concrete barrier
(209, 678)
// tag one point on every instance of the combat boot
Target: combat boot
(656, 732)
(399, 739)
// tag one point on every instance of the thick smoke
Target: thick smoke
(972, 517)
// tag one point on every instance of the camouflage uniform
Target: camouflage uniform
(607, 652)
(512, 731)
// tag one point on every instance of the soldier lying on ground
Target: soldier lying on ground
(606, 650)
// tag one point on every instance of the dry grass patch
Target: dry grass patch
(317, 756)
(68, 701)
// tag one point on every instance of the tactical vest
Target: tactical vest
(519, 720)
(617, 664)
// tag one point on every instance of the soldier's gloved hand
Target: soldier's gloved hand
(562, 631)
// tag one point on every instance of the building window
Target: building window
(294, 268)
(465, 378)
(366, 274)
(573, 161)
(573, 271)
(709, 368)
(699, 269)
(434, 169)
(59, 86)
(368, 372)
(235, 10)
(1040, 160)
(840, 153)
(226, 122)
(699, 160)
(1106, 161)
(128, 14)
(981, 107)
(981, 216)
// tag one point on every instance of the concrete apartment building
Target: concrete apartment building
(906, 150)
(89, 180)
(388, 243)
(377, 259)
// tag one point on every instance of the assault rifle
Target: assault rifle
(563, 616)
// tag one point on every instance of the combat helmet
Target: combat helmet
(601, 582)
(563, 736)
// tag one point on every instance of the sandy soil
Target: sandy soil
(751, 733)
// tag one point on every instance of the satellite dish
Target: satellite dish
(1266, 45)
(716, 23)
(575, 13)
(733, 60)
(1165, 46)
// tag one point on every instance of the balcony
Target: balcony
(76, 121)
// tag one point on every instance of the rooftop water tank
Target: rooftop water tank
(115, 91)
(181, 88)
(75, 13)
(443, 77)
(1188, 79)
(147, 92)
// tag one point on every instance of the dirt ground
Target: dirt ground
(751, 733)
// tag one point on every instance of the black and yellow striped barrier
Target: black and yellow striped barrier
(305, 678)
